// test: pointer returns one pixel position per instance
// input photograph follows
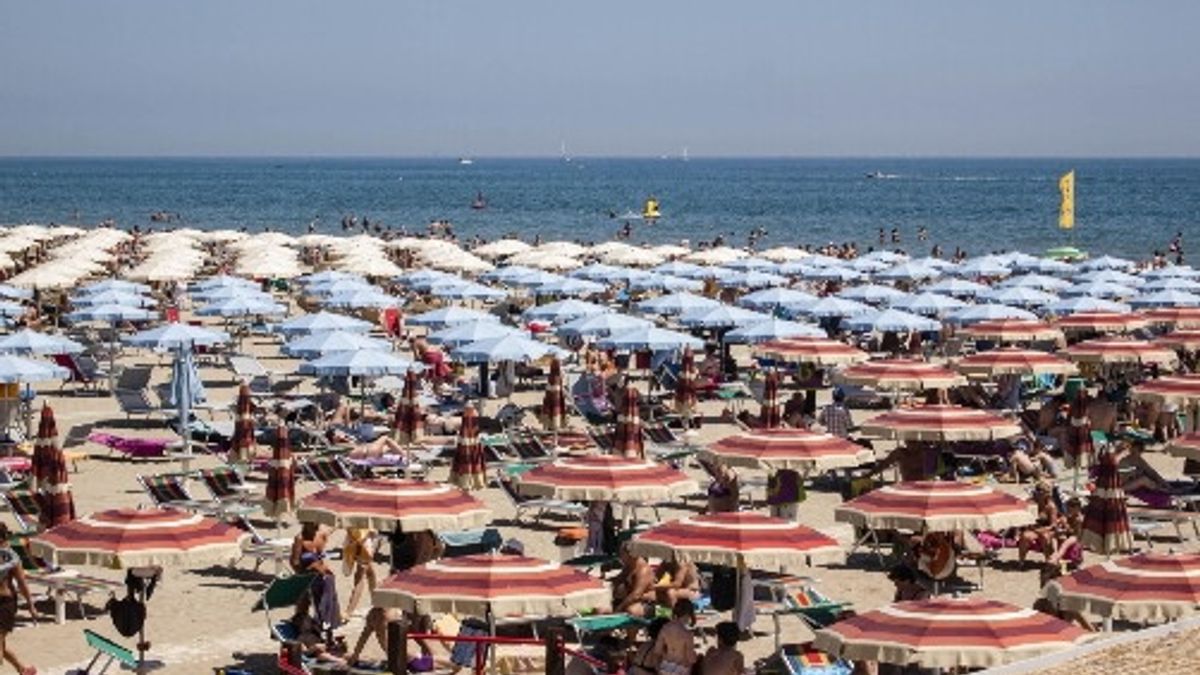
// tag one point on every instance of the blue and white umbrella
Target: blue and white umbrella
(675, 303)
(1167, 298)
(14, 293)
(721, 316)
(224, 282)
(750, 263)
(959, 288)
(518, 348)
(535, 278)
(832, 306)
(424, 278)
(872, 294)
(939, 264)
(322, 321)
(885, 256)
(1041, 282)
(450, 316)
(28, 341)
(985, 266)
(837, 273)
(468, 290)
(1044, 266)
(772, 329)
(1085, 303)
(771, 298)
(318, 344)
(375, 298)
(563, 311)
(569, 287)
(1100, 289)
(175, 336)
(1172, 283)
(20, 369)
(466, 333)
(337, 286)
(112, 298)
(754, 279)
(235, 307)
(677, 268)
(365, 363)
(663, 282)
(909, 271)
(114, 285)
(327, 276)
(651, 338)
(1112, 277)
(186, 389)
(11, 308)
(989, 312)
(929, 304)
(1106, 262)
(891, 320)
(596, 272)
(868, 265)
(223, 293)
(109, 314)
(601, 324)
(1168, 272)
(1020, 297)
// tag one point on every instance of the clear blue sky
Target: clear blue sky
(647, 77)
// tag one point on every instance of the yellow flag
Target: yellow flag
(1066, 212)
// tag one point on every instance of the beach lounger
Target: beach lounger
(470, 542)
(1145, 520)
(135, 402)
(286, 592)
(134, 377)
(25, 509)
(804, 660)
(170, 490)
(132, 447)
(263, 549)
(225, 484)
(107, 653)
(83, 369)
(326, 470)
(540, 507)
(529, 447)
(599, 624)
(60, 585)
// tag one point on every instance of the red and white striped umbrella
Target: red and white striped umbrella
(1149, 586)
(1186, 446)
(817, 351)
(241, 449)
(769, 416)
(795, 449)
(1186, 340)
(1183, 389)
(1119, 350)
(468, 470)
(901, 374)
(388, 504)
(49, 473)
(606, 478)
(1011, 361)
(1179, 317)
(756, 540)
(685, 386)
(937, 506)
(1105, 518)
(553, 412)
(627, 438)
(1012, 330)
(941, 423)
(279, 499)
(946, 632)
(409, 420)
(1102, 322)
(493, 585)
(140, 537)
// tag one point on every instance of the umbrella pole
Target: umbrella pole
(112, 357)
(491, 619)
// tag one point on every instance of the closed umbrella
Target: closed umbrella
(185, 392)
(280, 496)
(241, 448)
(685, 386)
(1148, 586)
(409, 420)
(388, 504)
(769, 417)
(469, 469)
(50, 474)
(796, 449)
(627, 439)
(743, 539)
(606, 478)
(553, 411)
(1105, 519)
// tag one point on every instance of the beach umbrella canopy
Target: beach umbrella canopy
(936, 506)
(461, 290)
(553, 411)
(602, 324)
(873, 294)
(1105, 518)
(958, 288)
(326, 276)
(913, 270)
(501, 248)
(49, 473)
(364, 299)
(744, 538)
(831, 273)
(1172, 272)
(109, 314)
(685, 385)
(1041, 282)
(516, 348)
(468, 469)
(675, 304)
(409, 419)
(832, 306)
(466, 333)
(948, 632)
(892, 320)
(676, 268)
(651, 338)
(1111, 276)
(11, 309)
(771, 298)
(529, 277)
(124, 538)
(1099, 289)
(989, 312)
(1169, 298)
(388, 504)
(627, 437)
(493, 585)
(1020, 296)
(1148, 586)
(929, 304)
(224, 281)
(450, 316)
(769, 416)
(663, 282)
(26, 341)
(20, 369)
(244, 306)
(753, 279)
(320, 322)
(796, 449)
(1179, 317)
(14, 293)
(315, 345)
(1106, 262)
(173, 336)
(1182, 390)
(606, 478)
(721, 316)
(941, 423)
(597, 272)
(1120, 350)
(1186, 446)
(280, 496)
(750, 263)
(1171, 283)
(1013, 330)
(223, 293)
(1012, 361)
(336, 286)
(901, 374)
(772, 329)
(114, 285)
(1186, 340)
(367, 363)
(986, 266)
(817, 351)
(422, 279)
(563, 311)
(112, 298)
(1086, 304)
(571, 287)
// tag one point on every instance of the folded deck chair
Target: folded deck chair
(107, 653)
(133, 447)
(540, 507)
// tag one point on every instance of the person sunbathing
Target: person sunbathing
(1040, 536)
(633, 587)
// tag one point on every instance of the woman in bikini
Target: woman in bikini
(13, 582)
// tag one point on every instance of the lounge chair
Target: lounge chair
(105, 647)
(326, 470)
(541, 507)
(83, 369)
(278, 550)
(25, 509)
(804, 660)
(529, 447)
(470, 542)
(287, 592)
(226, 484)
(170, 490)
(134, 377)
(135, 402)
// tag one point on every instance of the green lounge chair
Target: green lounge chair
(106, 648)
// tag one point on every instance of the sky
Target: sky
(614, 78)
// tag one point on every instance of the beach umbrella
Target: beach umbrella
(675, 304)
(750, 263)
(1012, 361)
(936, 506)
(753, 280)
(1106, 527)
(1181, 390)
(338, 286)
(326, 276)
(1106, 262)
(601, 325)
(109, 314)
(985, 266)
(685, 386)
(26, 341)
(1148, 586)
(241, 307)
(781, 254)
(321, 322)
(365, 299)
(1170, 298)
(1172, 284)
(606, 478)
(1086, 304)
(185, 391)
(20, 369)
(1172, 272)
(280, 497)
(11, 309)
(450, 316)
(796, 449)
(493, 585)
(770, 298)
(501, 248)
(527, 277)
(1019, 296)
(460, 290)
(650, 338)
(597, 272)
(517, 348)
(929, 304)
(958, 288)
(563, 311)
(1041, 282)
(112, 298)
(948, 632)
(571, 287)
(175, 336)
(663, 282)
(772, 329)
(369, 363)
(553, 411)
(409, 421)
(1112, 276)
(831, 273)
(241, 447)
(627, 437)
(1185, 340)
(224, 281)
(1120, 350)
(1044, 266)
(744, 539)
(388, 504)
(422, 279)
(1186, 446)
(1013, 330)
(1099, 289)
(227, 293)
(873, 294)
(817, 351)
(676, 268)
(989, 312)
(832, 306)
(769, 416)
(900, 374)
(49, 475)
(912, 270)
(14, 293)
(468, 469)
(941, 423)
(892, 320)
(114, 286)
(466, 333)
(717, 255)
(315, 345)
(1178, 317)
(721, 316)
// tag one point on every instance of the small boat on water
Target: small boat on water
(880, 175)
(465, 161)
(480, 202)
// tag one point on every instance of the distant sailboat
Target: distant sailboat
(465, 161)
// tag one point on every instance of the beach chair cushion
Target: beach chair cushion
(804, 660)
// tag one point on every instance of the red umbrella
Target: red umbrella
(469, 468)
(409, 420)
(1012, 330)
(936, 506)
(1105, 518)
(901, 374)
(1179, 317)
(769, 417)
(606, 478)
(1186, 340)
(1011, 361)
(685, 386)
(1186, 446)
(941, 423)
(755, 540)
(1119, 350)
(242, 448)
(817, 351)
(50, 474)
(280, 496)
(946, 632)
(553, 413)
(1182, 389)
(1102, 322)
(627, 439)
(388, 504)
(493, 585)
(796, 449)
(1148, 586)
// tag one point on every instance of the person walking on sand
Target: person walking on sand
(12, 583)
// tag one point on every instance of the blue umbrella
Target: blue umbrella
(534, 278)
(650, 337)
(11, 309)
(571, 288)
(1085, 303)
(596, 272)
(223, 293)
(651, 281)
(366, 363)
(508, 274)
(361, 300)
(1170, 271)
(327, 276)
(892, 320)
(115, 285)
(985, 266)
(1112, 276)
(929, 304)
(989, 312)
(467, 290)
(20, 369)
(318, 344)
(1043, 266)
(112, 298)
(505, 348)
(1020, 297)
(832, 306)
(422, 279)
(873, 294)
(721, 316)
(1172, 283)
(676, 303)
(910, 271)
(234, 307)
(223, 281)
(601, 324)
(563, 311)
(771, 298)
(337, 286)
(832, 273)
(186, 389)
(474, 331)
(322, 321)
(772, 329)
(754, 279)
(959, 288)
(109, 314)
(1167, 298)
(751, 263)
(1041, 282)
(1106, 262)
(676, 268)
(1100, 289)
(32, 342)
(176, 336)
(449, 316)
(14, 293)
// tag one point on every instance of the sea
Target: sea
(1128, 207)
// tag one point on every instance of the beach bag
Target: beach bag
(723, 589)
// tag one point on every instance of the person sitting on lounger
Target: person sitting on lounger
(633, 587)
(678, 579)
